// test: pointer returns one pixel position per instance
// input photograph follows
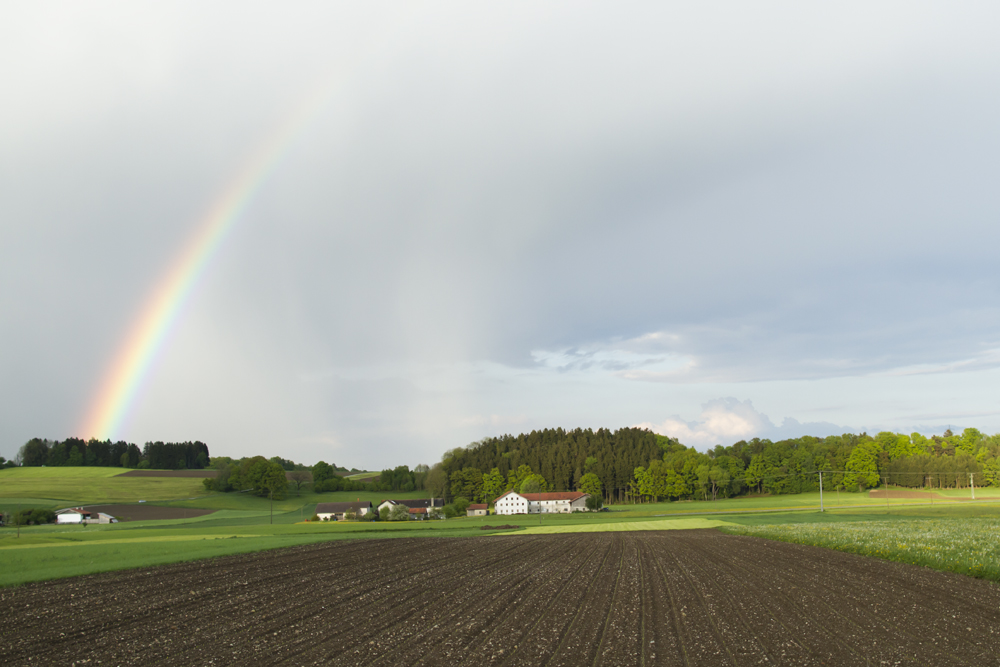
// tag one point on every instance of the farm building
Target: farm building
(557, 502)
(83, 515)
(426, 504)
(418, 513)
(336, 511)
(72, 515)
(477, 510)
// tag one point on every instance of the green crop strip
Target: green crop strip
(965, 546)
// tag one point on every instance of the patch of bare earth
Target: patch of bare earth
(671, 598)
(146, 512)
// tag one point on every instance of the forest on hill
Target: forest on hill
(635, 465)
(558, 459)
(93, 452)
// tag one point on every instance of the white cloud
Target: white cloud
(724, 421)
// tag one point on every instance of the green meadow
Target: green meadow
(951, 543)
(93, 486)
(243, 523)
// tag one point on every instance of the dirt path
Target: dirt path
(693, 597)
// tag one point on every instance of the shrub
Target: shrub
(594, 503)
(461, 504)
(315, 517)
(399, 513)
(450, 512)
(327, 485)
(32, 517)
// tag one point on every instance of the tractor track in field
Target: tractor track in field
(602, 599)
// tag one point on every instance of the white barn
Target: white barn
(557, 502)
(83, 515)
(72, 515)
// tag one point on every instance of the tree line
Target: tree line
(121, 454)
(851, 462)
(636, 465)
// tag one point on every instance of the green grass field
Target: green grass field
(73, 486)
(244, 523)
(363, 475)
(954, 544)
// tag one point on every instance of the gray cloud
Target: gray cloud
(502, 216)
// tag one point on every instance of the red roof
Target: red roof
(556, 495)
(552, 495)
(418, 510)
(477, 507)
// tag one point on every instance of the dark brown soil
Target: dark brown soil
(169, 473)
(505, 526)
(670, 598)
(145, 512)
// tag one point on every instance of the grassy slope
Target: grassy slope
(73, 486)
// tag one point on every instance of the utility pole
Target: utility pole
(820, 490)
(972, 484)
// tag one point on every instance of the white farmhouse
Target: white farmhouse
(557, 502)
(427, 504)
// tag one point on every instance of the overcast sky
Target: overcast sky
(717, 220)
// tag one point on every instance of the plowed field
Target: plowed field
(147, 512)
(675, 598)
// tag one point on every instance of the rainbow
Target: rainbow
(145, 340)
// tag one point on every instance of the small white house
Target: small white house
(557, 502)
(427, 504)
